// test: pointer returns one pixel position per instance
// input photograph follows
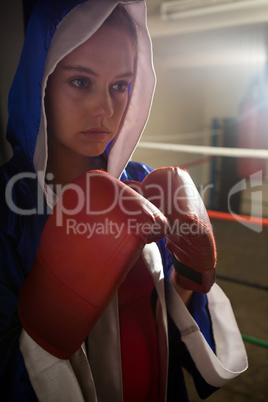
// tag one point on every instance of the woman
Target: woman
(79, 102)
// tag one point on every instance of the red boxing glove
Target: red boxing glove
(190, 238)
(90, 241)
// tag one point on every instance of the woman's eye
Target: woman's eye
(80, 82)
(120, 86)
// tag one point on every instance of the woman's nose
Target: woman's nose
(102, 104)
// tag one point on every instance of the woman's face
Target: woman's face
(87, 93)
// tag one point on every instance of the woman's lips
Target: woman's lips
(97, 133)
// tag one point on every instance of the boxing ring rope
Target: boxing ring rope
(228, 217)
(185, 136)
(205, 150)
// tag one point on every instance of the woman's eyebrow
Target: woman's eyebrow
(80, 69)
(128, 74)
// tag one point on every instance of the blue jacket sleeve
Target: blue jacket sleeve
(14, 380)
(19, 240)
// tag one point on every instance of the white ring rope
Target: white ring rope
(184, 136)
(206, 150)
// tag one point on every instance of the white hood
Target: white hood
(78, 26)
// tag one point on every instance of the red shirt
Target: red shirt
(139, 345)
